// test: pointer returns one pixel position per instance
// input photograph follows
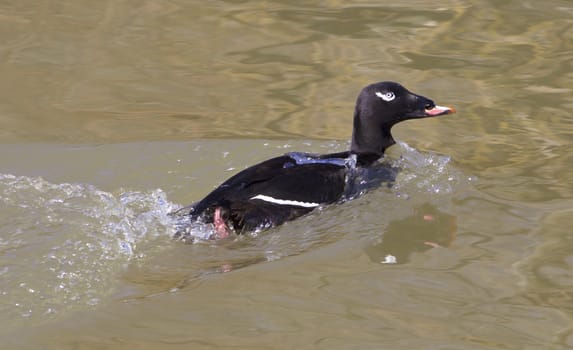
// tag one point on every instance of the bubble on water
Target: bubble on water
(389, 259)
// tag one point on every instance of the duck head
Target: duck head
(378, 108)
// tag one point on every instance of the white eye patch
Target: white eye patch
(387, 96)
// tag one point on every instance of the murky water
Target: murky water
(115, 113)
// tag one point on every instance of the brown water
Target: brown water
(114, 113)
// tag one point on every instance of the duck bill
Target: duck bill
(439, 110)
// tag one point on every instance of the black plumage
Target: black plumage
(286, 187)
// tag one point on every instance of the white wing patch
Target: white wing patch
(285, 201)
(387, 96)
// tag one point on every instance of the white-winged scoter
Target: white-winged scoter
(286, 187)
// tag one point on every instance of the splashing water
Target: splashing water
(426, 172)
(61, 244)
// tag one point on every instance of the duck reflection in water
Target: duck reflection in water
(428, 228)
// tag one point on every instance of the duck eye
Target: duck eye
(386, 96)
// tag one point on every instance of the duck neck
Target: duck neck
(369, 139)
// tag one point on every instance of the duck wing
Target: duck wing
(280, 181)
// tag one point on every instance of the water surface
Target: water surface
(115, 113)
